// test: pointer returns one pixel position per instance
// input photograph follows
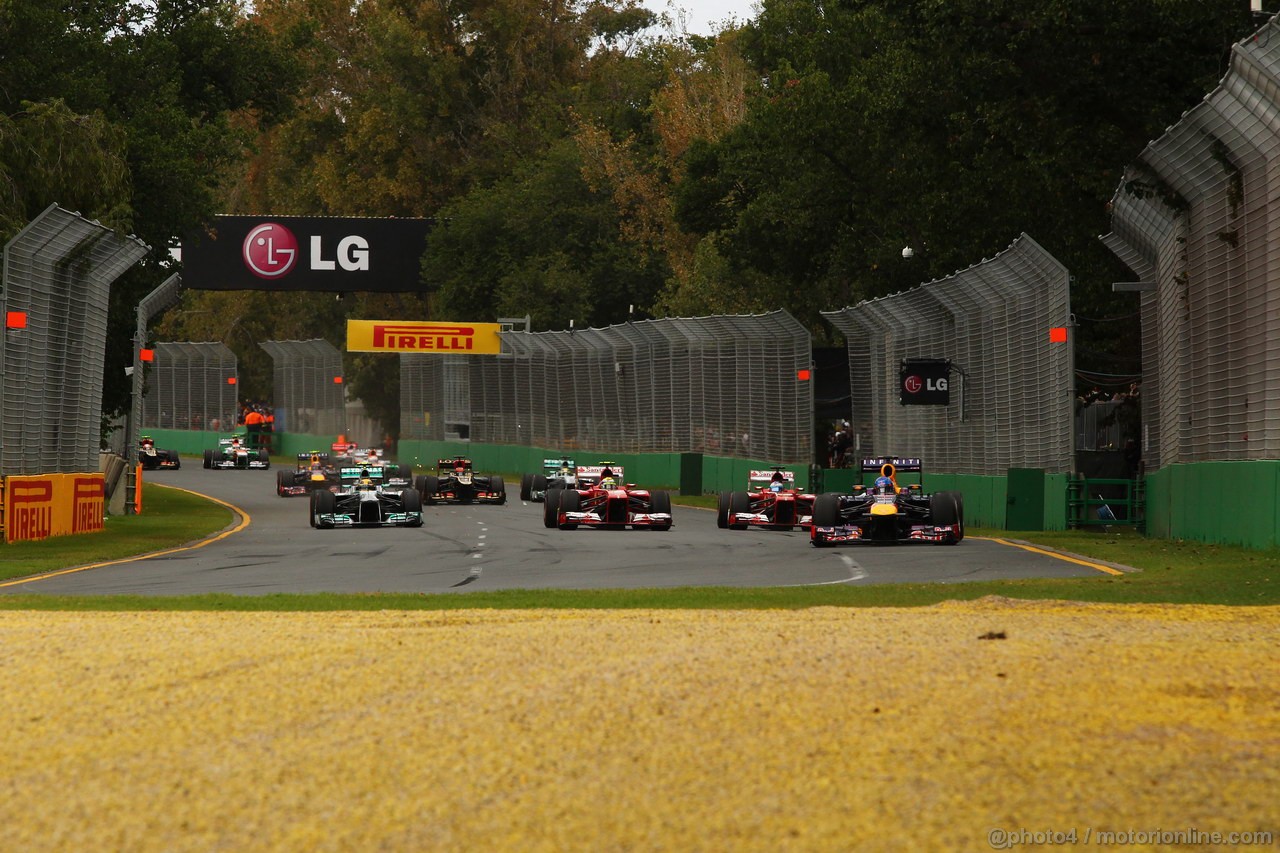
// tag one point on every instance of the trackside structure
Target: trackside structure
(723, 385)
(57, 279)
(308, 390)
(191, 386)
(58, 273)
(1011, 399)
(1195, 219)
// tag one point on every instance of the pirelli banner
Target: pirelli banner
(422, 337)
(43, 505)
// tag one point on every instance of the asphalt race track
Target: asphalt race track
(485, 547)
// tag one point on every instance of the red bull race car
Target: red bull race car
(314, 471)
(887, 512)
(771, 501)
(602, 499)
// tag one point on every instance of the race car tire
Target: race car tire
(324, 505)
(497, 486)
(404, 472)
(551, 509)
(540, 485)
(570, 501)
(412, 504)
(526, 486)
(177, 461)
(430, 485)
(208, 459)
(311, 509)
(958, 500)
(826, 511)
(722, 511)
(661, 502)
(282, 480)
(738, 502)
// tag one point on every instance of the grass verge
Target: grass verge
(1174, 572)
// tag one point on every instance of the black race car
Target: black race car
(152, 457)
(363, 499)
(455, 481)
(887, 512)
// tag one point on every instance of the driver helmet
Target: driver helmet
(608, 483)
(884, 485)
(366, 484)
(776, 486)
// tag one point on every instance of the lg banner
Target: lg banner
(306, 253)
(925, 382)
(40, 506)
(411, 336)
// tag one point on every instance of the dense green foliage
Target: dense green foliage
(580, 161)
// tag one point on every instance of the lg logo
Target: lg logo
(913, 384)
(271, 252)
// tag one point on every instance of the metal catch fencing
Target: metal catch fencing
(1012, 406)
(725, 385)
(57, 283)
(1193, 218)
(191, 386)
(307, 386)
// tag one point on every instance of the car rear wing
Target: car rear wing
(556, 464)
(589, 475)
(764, 478)
(453, 462)
(375, 472)
(306, 457)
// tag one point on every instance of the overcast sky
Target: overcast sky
(705, 16)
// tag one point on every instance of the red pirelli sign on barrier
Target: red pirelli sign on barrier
(413, 336)
(43, 505)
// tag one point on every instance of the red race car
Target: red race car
(771, 500)
(602, 499)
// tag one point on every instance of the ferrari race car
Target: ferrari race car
(455, 481)
(556, 474)
(235, 452)
(887, 512)
(602, 499)
(314, 471)
(771, 500)
(364, 500)
(152, 457)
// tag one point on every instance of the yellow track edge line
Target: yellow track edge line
(1054, 554)
(244, 522)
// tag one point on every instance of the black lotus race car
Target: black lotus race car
(887, 512)
(314, 471)
(364, 500)
(152, 457)
(556, 474)
(455, 481)
(602, 499)
(235, 452)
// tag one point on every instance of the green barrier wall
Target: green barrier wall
(1245, 512)
(1232, 503)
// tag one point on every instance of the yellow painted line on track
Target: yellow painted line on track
(244, 522)
(1055, 555)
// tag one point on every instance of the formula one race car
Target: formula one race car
(235, 452)
(363, 500)
(602, 499)
(314, 471)
(771, 500)
(152, 457)
(455, 481)
(556, 474)
(887, 512)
